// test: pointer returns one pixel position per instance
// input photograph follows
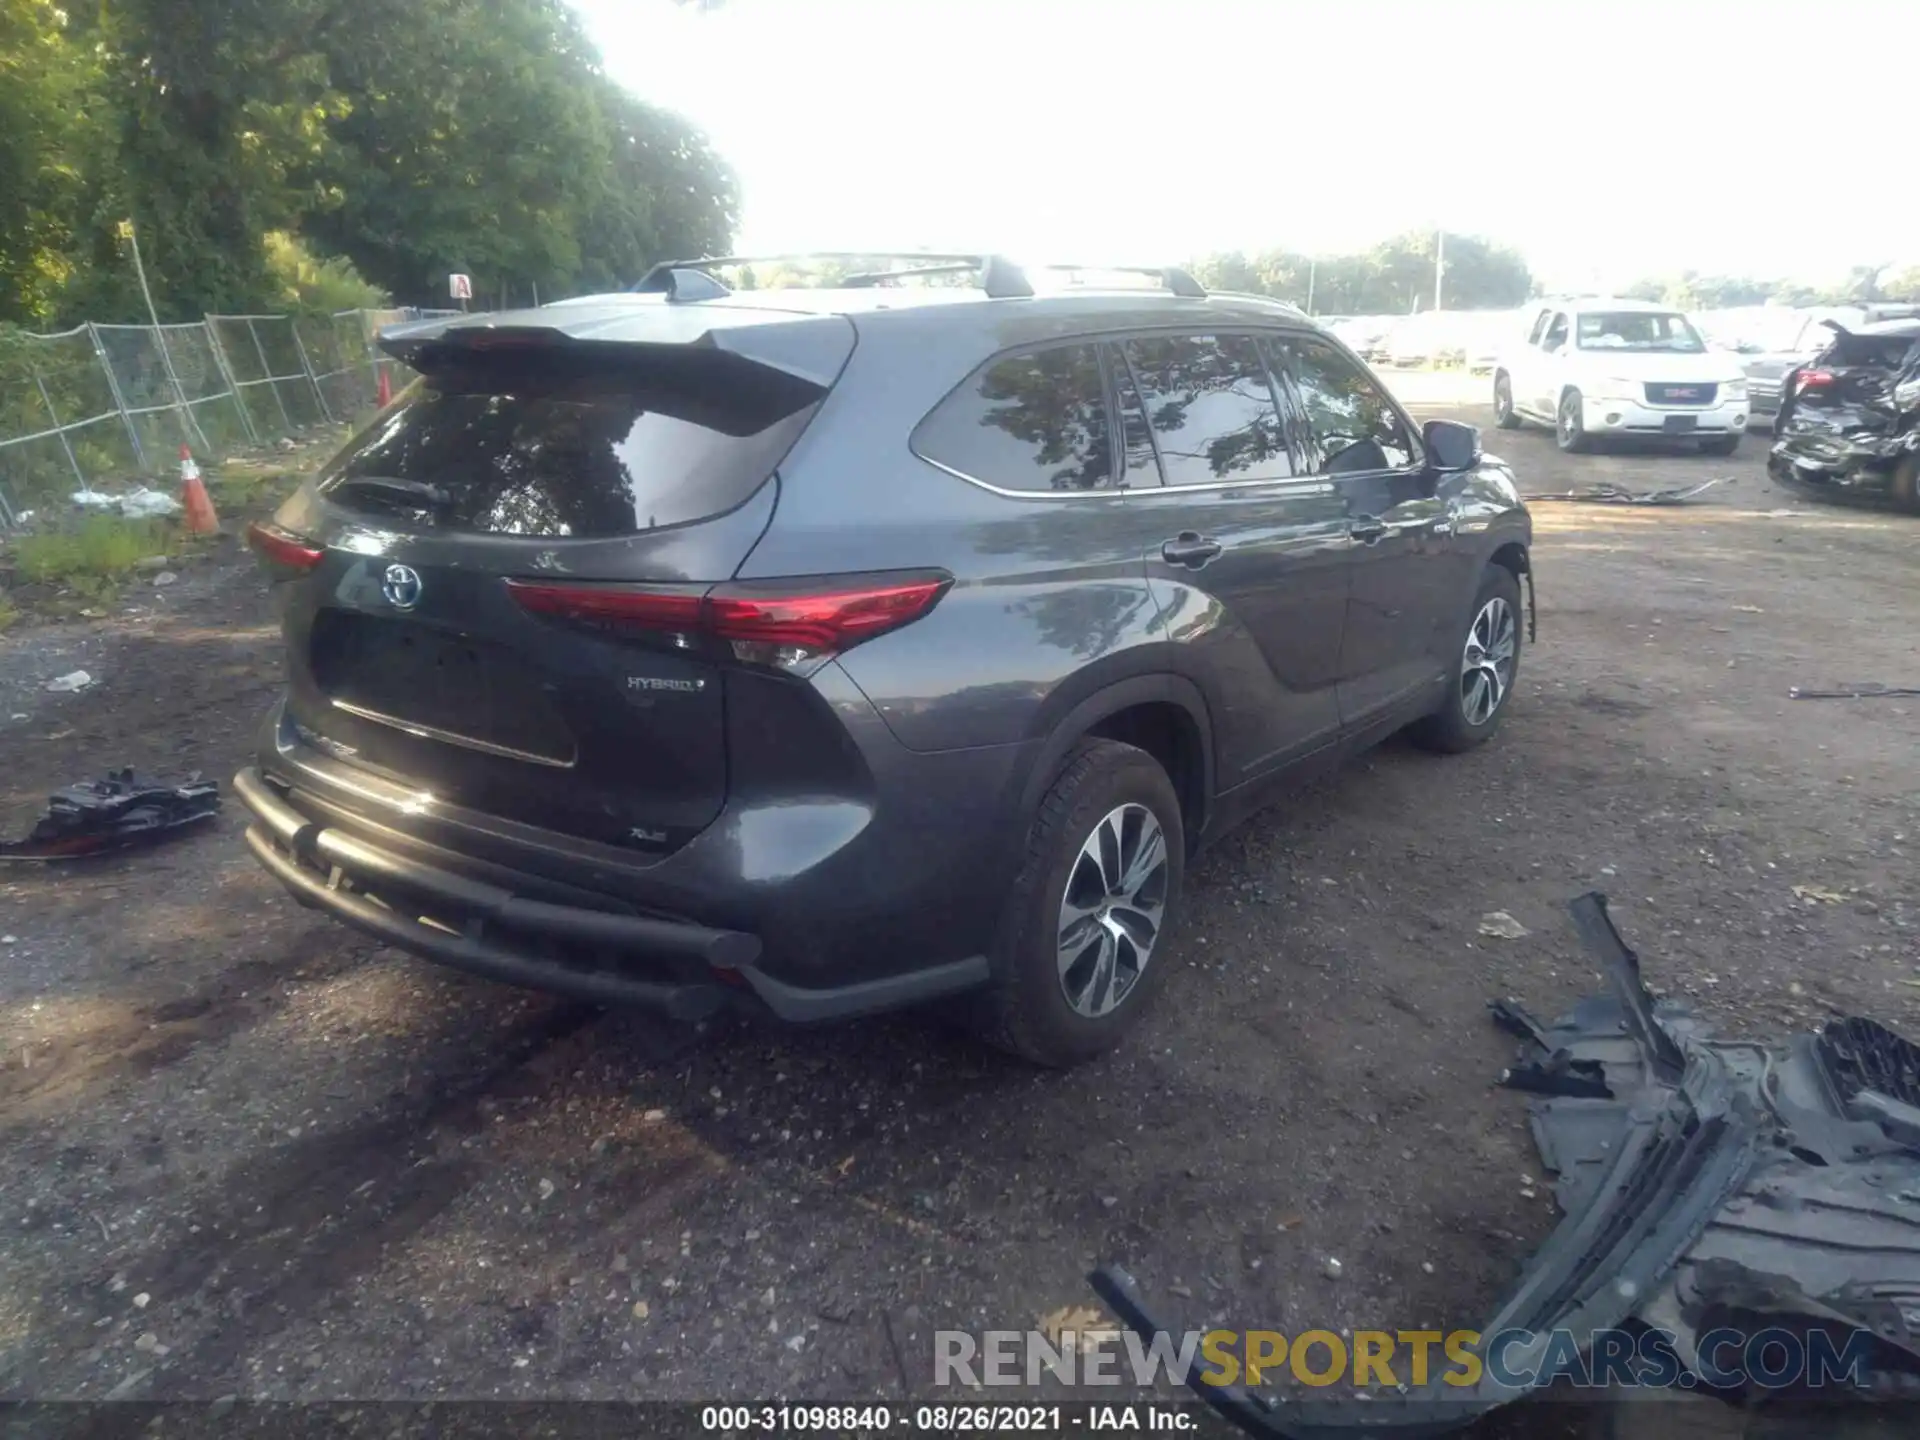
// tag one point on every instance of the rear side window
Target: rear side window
(574, 446)
(1211, 407)
(1035, 421)
(1353, 424)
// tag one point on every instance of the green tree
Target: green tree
(47, 136)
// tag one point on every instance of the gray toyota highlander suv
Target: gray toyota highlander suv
(830, 651)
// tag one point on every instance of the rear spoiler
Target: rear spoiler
(805, 346)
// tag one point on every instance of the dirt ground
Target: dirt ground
(249, 1152)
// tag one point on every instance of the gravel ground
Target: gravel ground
(249, 1152)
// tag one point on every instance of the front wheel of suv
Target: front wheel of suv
(1489, 651)
(1081, 947)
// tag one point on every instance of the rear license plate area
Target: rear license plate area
(414, 676)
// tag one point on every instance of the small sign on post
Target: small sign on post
(460, 287)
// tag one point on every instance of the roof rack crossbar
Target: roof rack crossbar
(1179, 281)
(880, 277)
(1000, 278)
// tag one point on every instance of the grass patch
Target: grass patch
(7, 616)
(100, 547)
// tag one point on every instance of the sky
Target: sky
(1604, 139)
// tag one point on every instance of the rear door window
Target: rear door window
(1033, 421)
(1354, 426)
(574, 446)
(1212, 408)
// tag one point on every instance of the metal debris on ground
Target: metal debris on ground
(97, 816)
(1865, 690)
(1607, 493)
(1705, 1183)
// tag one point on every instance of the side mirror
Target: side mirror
(1451, 446)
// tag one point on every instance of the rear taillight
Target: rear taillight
(788, 625)
(1815, 379)
(282, 549)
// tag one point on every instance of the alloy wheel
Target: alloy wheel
(1111, 910)
(1486, 667)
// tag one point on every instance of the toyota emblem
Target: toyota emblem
(401, 586)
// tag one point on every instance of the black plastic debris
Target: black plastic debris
(1705, 1183)
(97, 816)
(1609, 494)
(1865, 690)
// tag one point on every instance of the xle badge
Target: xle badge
(654, 682)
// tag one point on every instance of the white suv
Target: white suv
(1620, 367)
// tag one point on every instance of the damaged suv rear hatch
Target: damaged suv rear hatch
(497, 591)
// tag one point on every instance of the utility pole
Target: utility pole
(1313, 267)
(1439, 265)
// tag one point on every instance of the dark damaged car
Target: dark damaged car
(1850, 417)
(823, 652)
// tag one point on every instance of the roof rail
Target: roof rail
(1000, 278)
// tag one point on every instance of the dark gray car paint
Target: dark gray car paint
(874, 836)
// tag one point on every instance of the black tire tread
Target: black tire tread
(1511, 420)
(1001, 1017)
(1446, 731)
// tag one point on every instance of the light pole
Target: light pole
(1439, 265)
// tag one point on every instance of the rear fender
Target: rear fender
(1071, 727)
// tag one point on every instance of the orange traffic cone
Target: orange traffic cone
(194, 498)
(384, 390)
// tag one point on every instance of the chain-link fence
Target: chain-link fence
(101, 402)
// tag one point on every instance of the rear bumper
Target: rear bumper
(497, 927)
(1832, 466)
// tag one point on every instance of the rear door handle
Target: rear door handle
(1190, 549)
(1367, 529)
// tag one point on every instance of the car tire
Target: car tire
(1029, 1008)
(1570, 426)
(1905, 485)
(1488, 645)
(1720, 445)
(1504, 415)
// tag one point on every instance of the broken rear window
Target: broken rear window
(565, 444)
(1884, 351)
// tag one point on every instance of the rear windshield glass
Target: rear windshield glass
(1886, 351)
(1638, 330)
(571, 446)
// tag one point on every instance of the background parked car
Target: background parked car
(1851, 417)
(1600, 366)
(1795, 338)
